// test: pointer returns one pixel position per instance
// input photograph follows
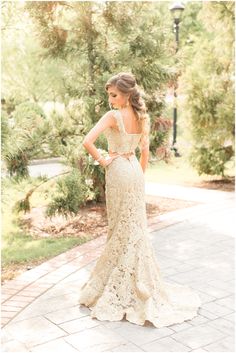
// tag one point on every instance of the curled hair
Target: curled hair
(126, 84)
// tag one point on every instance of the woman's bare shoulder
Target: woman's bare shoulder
(110, 118)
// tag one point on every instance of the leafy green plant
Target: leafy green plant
(71, 194)
(5, 130)
(22, 137)
(211, 161)
(29, 112)
(159, 139)
(16, 160)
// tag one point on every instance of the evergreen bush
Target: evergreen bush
(29, 114)
(72, 192)
(208, 84)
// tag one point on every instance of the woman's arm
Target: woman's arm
(144, 144)
(144, 158)
(106, 121)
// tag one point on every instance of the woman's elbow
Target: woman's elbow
(145, 153)
(85, 142)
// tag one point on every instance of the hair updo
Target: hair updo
(126, 84)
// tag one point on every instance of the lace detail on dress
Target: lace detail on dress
(119, 121)
(118, 140)
(126, 279)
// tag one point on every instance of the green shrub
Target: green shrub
(208, 84)
(159, 137)
(211, 161)
(16, 160)
(28, 114)
(4, 127)
(72, 192)
(24, 139)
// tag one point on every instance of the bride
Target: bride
(126, 280)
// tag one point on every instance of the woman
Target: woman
(126, 280)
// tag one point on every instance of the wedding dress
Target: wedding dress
(126, 280)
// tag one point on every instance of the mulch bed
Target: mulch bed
(91, 220)
(220, 184)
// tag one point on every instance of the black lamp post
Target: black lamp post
(176, 9)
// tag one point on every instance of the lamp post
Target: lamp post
(176, 10)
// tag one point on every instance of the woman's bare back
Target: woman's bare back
(131, 125)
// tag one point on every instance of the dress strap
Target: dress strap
(119, 120)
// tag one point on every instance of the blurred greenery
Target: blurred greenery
(64, 50)
(208, 85)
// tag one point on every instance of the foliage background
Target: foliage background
(65, 52)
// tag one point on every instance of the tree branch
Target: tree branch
(24, 204)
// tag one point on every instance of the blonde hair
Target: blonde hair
(126, 84)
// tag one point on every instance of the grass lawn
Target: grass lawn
(20, 249)
(179, 172)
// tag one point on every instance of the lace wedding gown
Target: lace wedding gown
(126, 280)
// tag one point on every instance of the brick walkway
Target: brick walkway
(194, 246)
